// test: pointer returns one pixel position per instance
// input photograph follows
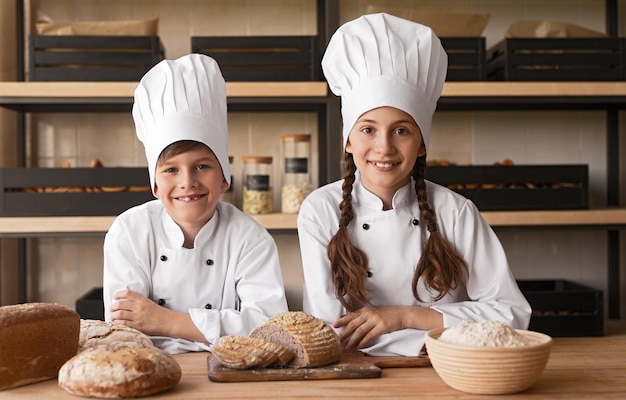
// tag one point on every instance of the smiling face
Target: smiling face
(385, 143)
(189, 184)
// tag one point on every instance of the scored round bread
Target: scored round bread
(242, 352)
(313, 341)
(95, 332)
(35, 340)
(115, 370)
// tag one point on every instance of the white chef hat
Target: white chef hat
(182, 99)
(381, 60)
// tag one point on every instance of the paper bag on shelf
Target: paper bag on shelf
(45, 26)
(444, 24)
(549, 29)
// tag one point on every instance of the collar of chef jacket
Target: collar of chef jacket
(174, 234)
(364, 198)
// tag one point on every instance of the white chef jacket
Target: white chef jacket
(229, 283)
(393, 241)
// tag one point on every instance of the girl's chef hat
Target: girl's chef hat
(182, 99)
(380, 60)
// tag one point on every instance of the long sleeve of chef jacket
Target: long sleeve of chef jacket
(229, 282)
(393, 241)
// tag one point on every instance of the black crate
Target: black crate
(71, 191)
(563, 309)
(467, 60)
(263, 58)
(561, 59)
(517, 187)
(93, 58)
(91, 305)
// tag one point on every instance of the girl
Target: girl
(386, 254)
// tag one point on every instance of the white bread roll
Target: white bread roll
(35, 340)
(311, 339)
(94, 332)
(116, 370)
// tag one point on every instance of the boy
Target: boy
(187, 268)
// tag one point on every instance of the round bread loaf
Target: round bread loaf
(242, 352)
(313, 342)
(95, 332)
(116, 370)
(35, 340)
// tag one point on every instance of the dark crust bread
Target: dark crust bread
(114, 371)
(35, 340)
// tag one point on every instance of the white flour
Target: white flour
(483, 334)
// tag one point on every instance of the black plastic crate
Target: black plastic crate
(93, 58)
(263, 58)
(558, 59)
(564, 309)
(91, 305)
(467, 59)
(71, 191)
(517, 187)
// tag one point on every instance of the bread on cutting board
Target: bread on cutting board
(313, 341)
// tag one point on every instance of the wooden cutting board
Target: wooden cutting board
(351, 365)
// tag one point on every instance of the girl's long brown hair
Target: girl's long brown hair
(440, 267)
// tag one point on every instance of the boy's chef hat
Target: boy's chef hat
(182, 99)
(381, 60)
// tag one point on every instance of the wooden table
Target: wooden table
(589, 368)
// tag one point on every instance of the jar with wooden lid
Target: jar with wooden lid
(296, 176)
(257, 185)
(229, 195)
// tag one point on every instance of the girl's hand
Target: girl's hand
(362, 327)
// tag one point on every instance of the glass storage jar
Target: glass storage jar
(229, 194)
(296, 178)
(257, 185)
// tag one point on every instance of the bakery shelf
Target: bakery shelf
(117, 96)
(29, 92)
(96, 225)
(594, 218)
(88, 96)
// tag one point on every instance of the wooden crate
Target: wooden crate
(93, 58)
(467, 59)
(263, 58)
(518, 187)
(562, 308)
(71, 191)
(559, 59)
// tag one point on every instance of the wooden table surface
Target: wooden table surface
(578, 368)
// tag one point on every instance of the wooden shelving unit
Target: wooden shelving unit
(18, 95)
(25, 97)
(63, 226)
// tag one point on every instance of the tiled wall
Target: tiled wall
(62, 269)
